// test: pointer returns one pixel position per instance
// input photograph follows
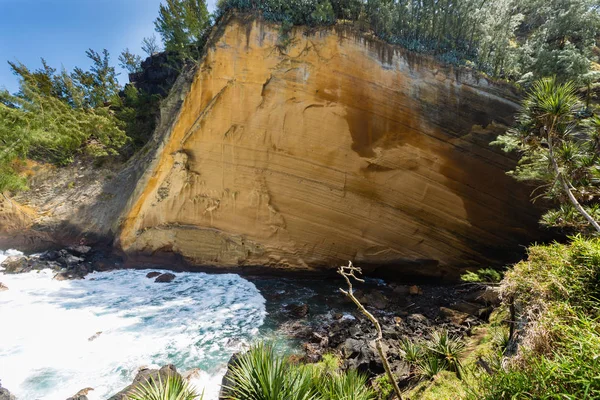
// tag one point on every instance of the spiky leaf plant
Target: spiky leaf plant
(447, 349)
(174, 387)
(345, 386)
(260, 374)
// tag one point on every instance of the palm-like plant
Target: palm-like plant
(173, 387)
(260, 374)
(345, 386)
(557, 147)
(447, 349)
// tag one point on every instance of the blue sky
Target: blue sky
(62, 30)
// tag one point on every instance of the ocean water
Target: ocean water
(58, 337)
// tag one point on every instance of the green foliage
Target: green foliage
(138, 110)
(447, 349)
(483, 275)
(558, 147)
(150, 46)
(54, 118)
(344, 386)
(261, 374)
(505, 38)
(557, 293)
(442, 352)
(174, 387)
(130, 62)
(411, 351)
(99, 85)
(182, 25)
(383, 386)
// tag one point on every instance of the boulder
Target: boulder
(16, 265)
(415, 290)
(153, 274)
(3, 287)
(5, 394)
(69, 260)
(297, 310)
(456, 317)
(80, 250)
(227, 381)
(81, 395)
(50, 255)
(144, 376)
(165, 278)
(362, 356)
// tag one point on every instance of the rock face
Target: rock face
(337, 148)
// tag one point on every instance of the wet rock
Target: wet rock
(78, 271)
(194, 373)
(81, 395)
(297, 310)
(362, 356)
(144, 376)
(3, 287)
(80, 250)
(50, 255)
(338, 316)
(165, 278)
(153, 274)
(456, 317)
(5, 394)
(415, 290)
(467, 307)
(417, 319)
(16, 265)
(69, 260)
(375, 299)
(227, 382)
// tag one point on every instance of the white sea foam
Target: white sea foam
(197, 321)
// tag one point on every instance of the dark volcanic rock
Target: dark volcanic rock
(297, 310)
(227, 381)
(50, 255)
(80, 250)
(362, 356)
(5, 394)
(144, 376)
(153, 274)
(165, 278)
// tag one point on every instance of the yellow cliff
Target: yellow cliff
(334, 148)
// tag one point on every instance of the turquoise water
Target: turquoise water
(49, 352)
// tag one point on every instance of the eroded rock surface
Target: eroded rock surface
(338, 148)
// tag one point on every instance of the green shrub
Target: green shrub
(556, 295)
(485, 275)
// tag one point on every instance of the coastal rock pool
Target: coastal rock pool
(58, 337)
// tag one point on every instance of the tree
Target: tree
(100, 83)
(182, 23)
(560, 148)
(348, 272)
(130, 62)
(150, 46)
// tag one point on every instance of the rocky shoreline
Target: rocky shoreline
(319, 323)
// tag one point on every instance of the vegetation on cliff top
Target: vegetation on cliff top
(511, 39)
